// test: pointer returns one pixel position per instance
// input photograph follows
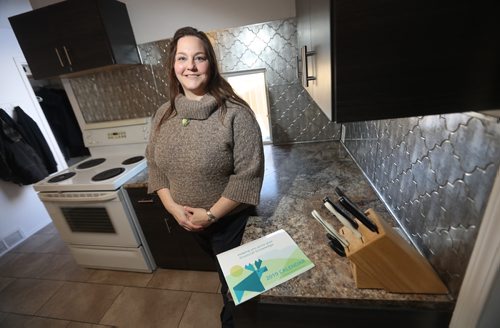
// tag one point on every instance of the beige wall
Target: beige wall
(154, 20)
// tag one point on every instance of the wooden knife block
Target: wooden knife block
(386, 260)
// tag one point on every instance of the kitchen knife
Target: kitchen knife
(331, 230)
(327, 202)
(336, 245)
(354, 210)
(342, 212)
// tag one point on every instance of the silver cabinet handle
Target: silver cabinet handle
(67, 55)
(59, 57)
(305, 71)
(148, 201)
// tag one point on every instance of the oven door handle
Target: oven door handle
(77, 197)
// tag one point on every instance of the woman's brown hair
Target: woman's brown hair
(217, 86)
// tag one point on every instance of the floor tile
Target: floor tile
(4, 282)
(26, 296)
(74, 324)
(43, 243)
(64, 267)
(48, 229)
(25, 265)
(55, 245)
(80, 302)
(17, 320)
(121, 278)
(145, 307)
(6, 262)
(32, 243)
(203, 311)
(196, 281)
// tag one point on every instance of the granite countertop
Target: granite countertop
(138, 181)
(302, 175)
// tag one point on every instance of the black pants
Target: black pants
(221, 236)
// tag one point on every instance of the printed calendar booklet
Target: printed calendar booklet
(259, 265)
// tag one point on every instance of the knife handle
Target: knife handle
(337, 250)
(335, 244)
(353, 209)
(341, 211)
(339, 192)
(342, 219)
(344, 214)
(329, 228)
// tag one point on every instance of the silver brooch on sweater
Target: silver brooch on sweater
(185, 122)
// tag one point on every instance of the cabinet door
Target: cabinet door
(411, 58)
(38, 35)
(74, 36)
(314, 33)
(83, 38)
(171, 246)
(159, 229)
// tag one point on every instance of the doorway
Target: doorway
(251, 86)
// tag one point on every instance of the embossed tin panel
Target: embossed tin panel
(435, 173)
(139, 91)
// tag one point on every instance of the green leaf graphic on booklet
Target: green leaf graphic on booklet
(251, 282)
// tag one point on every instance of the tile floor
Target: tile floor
(42, 286)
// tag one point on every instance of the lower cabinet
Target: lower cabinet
(171, 246)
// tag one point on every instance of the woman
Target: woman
(205, 154)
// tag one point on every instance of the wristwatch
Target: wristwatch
(211, 217)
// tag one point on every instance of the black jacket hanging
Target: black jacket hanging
(19, 163)
(62, 121)
(34, 137)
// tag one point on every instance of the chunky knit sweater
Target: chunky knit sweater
(199, 158)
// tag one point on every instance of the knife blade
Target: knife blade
(331, 230)
(354, 210)
(343, 220)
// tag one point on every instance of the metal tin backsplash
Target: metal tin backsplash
(435, 173)
(138, 91)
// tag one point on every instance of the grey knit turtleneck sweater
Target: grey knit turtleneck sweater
(206, 159)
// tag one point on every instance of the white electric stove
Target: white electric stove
(89, 206)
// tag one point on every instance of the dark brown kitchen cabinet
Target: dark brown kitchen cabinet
(171, 246)
(371, 60)
(74, 36)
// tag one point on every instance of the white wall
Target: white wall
(20, 208)
(154, 20)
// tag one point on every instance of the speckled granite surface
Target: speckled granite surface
(297, 177)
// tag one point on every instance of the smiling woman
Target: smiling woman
(205, 153)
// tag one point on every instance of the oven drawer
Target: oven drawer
(127, 259)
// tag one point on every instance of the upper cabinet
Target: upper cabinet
(74, 36)
(368, 60)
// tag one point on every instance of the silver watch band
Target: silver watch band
(211, 217)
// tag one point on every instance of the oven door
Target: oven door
(91, 218)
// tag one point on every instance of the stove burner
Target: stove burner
(108, 174)
(132, 160)
(61, 177)
(90, 163)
